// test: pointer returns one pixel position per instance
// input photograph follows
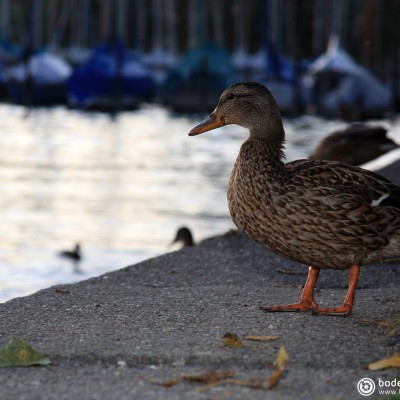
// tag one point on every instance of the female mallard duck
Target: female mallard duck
(355, 145)
(321, 213)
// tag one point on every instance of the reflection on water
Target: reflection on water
(119, 186)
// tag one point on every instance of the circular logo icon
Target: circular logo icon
(366, 386)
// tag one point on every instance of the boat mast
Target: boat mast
(171, 28)
(141, 26)
(37, 7)
(121, 20)
(5, 17)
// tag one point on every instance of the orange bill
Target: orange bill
(212, 122)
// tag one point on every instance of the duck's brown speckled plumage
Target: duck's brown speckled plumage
(354, 145)
(321, 213)
(315, 212)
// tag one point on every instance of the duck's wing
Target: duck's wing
(362, 132)
(331, 179)
(337, 203)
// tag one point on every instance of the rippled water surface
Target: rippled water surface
(120, 186)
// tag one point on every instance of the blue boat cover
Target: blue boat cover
(110, 71)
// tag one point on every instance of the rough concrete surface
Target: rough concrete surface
(110, 337)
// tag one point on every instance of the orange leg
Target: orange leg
(347, 306)
(307, 296)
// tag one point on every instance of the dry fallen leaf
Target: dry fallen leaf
(373, 322)
(214, 378)
(254, 383)
(208, 377)
(392, 324)
(390, 362)
(231, 340)
(167, 384)
(281, 361)
(282, 358)
(250, 383)
(261, 338)
(274, 378)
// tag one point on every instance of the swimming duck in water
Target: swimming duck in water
(355, 145)
(321, 213)
(74, 255)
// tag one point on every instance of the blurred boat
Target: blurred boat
(77, 55)
(343, 88)
(8, 57)
(38, 80)
(281, 79)
(112, 79)
(284, 79)
(197, 81)
(3, 90)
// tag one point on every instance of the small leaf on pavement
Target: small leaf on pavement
(231, 340)
(17, 353)
(281, 361)
(390, 362)
(261, 338)
(208, 377)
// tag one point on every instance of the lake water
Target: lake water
(119, 186)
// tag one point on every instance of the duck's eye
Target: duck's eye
(231, 96)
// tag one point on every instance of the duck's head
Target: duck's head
(184, 236)
(248, 104)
